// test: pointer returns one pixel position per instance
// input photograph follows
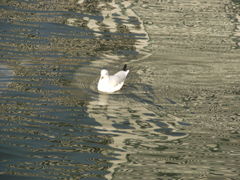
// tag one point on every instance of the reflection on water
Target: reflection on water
(177, 117)
(131, 126)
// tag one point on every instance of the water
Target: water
(177, 117)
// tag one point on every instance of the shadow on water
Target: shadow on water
(170, 120)
(48, 124)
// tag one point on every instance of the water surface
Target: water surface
(177, 117)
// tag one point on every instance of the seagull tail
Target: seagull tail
(125, 67)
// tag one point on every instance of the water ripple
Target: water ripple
(176, 118)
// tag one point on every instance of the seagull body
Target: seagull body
(110, 84)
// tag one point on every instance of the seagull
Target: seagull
(110, 84)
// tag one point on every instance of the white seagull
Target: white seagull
(110, 84)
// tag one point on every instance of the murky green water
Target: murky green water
(177, 117)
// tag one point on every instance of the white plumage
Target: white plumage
(110, 84)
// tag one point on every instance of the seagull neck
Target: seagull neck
(105, 78)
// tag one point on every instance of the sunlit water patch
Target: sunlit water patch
(130, 118)
(132, 126)
(6, 76)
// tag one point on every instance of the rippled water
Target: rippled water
(177, 117)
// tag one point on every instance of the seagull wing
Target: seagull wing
(118, 78)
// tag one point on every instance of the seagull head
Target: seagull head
(104, 73)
